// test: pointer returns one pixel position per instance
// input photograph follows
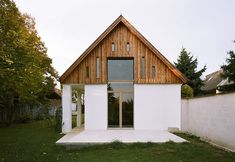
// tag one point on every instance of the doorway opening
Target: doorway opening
(120, 93)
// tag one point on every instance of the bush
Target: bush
(227, 88)
(74, 121)
(58, 120)
(24, 119)
(186, 91)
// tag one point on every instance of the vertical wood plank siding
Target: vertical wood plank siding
(120, 36)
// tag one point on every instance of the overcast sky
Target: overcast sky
(206, 28)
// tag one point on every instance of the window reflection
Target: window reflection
(127, 110)
(113, 110)
(119, 86)
(120, 69)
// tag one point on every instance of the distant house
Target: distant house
(126, 83)
(55, 101)
(213, 83)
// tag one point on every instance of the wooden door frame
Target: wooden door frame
(120, 108)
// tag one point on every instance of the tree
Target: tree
(188, 66)
(229, 72)
(229, 68)
(26, 73)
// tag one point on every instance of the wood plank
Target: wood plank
(121, 35)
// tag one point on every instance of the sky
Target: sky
(206, 28)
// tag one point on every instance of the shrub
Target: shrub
(58, 120)
(227, 88)
(74, 121)
(186, 91)
(25, 118)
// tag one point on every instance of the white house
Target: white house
(127, 83)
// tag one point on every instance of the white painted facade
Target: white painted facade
(157, 106)
(67, 108)
(212, 118)
(96, 111)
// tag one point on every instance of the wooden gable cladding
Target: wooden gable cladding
(120, 36)
(119, 33)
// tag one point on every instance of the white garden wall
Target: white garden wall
(157, 106)
(96, 107)
(212, 118)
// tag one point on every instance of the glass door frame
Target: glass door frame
(121, 91)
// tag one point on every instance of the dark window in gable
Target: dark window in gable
(153, 72)
(87, 72)
(127, 46)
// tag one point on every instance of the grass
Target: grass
(36, 142)
(74, 120)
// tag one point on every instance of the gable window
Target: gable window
(113, 47)
(153, 72)
(87, 71)
(120, 69)
(97, 67)
(143, 67)
(127, 46)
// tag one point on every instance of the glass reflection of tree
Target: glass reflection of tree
(113, 113)
(127, 112)
(109, 87)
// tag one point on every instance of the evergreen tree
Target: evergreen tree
(229, 68)
(229, 72)
(188, 66)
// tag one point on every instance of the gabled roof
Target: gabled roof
(119, 20)
(214, 80)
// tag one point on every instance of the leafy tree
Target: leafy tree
(188, 66)
(26, 73)
(229, 68)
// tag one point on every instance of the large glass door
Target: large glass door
(127, 110)
(113, 109)
(120, 109)
(120, 93)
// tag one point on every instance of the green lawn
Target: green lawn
(36, 142)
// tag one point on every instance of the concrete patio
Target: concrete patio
(82, 137)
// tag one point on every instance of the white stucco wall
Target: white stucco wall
(96, 107)
(212, 118)
(157, 106)
(67, 108)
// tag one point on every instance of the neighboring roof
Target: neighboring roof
(57, 91)
(56, 94)
(121, 19)
(214, 80)
(224, 82)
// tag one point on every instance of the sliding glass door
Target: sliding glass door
(120, 93)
